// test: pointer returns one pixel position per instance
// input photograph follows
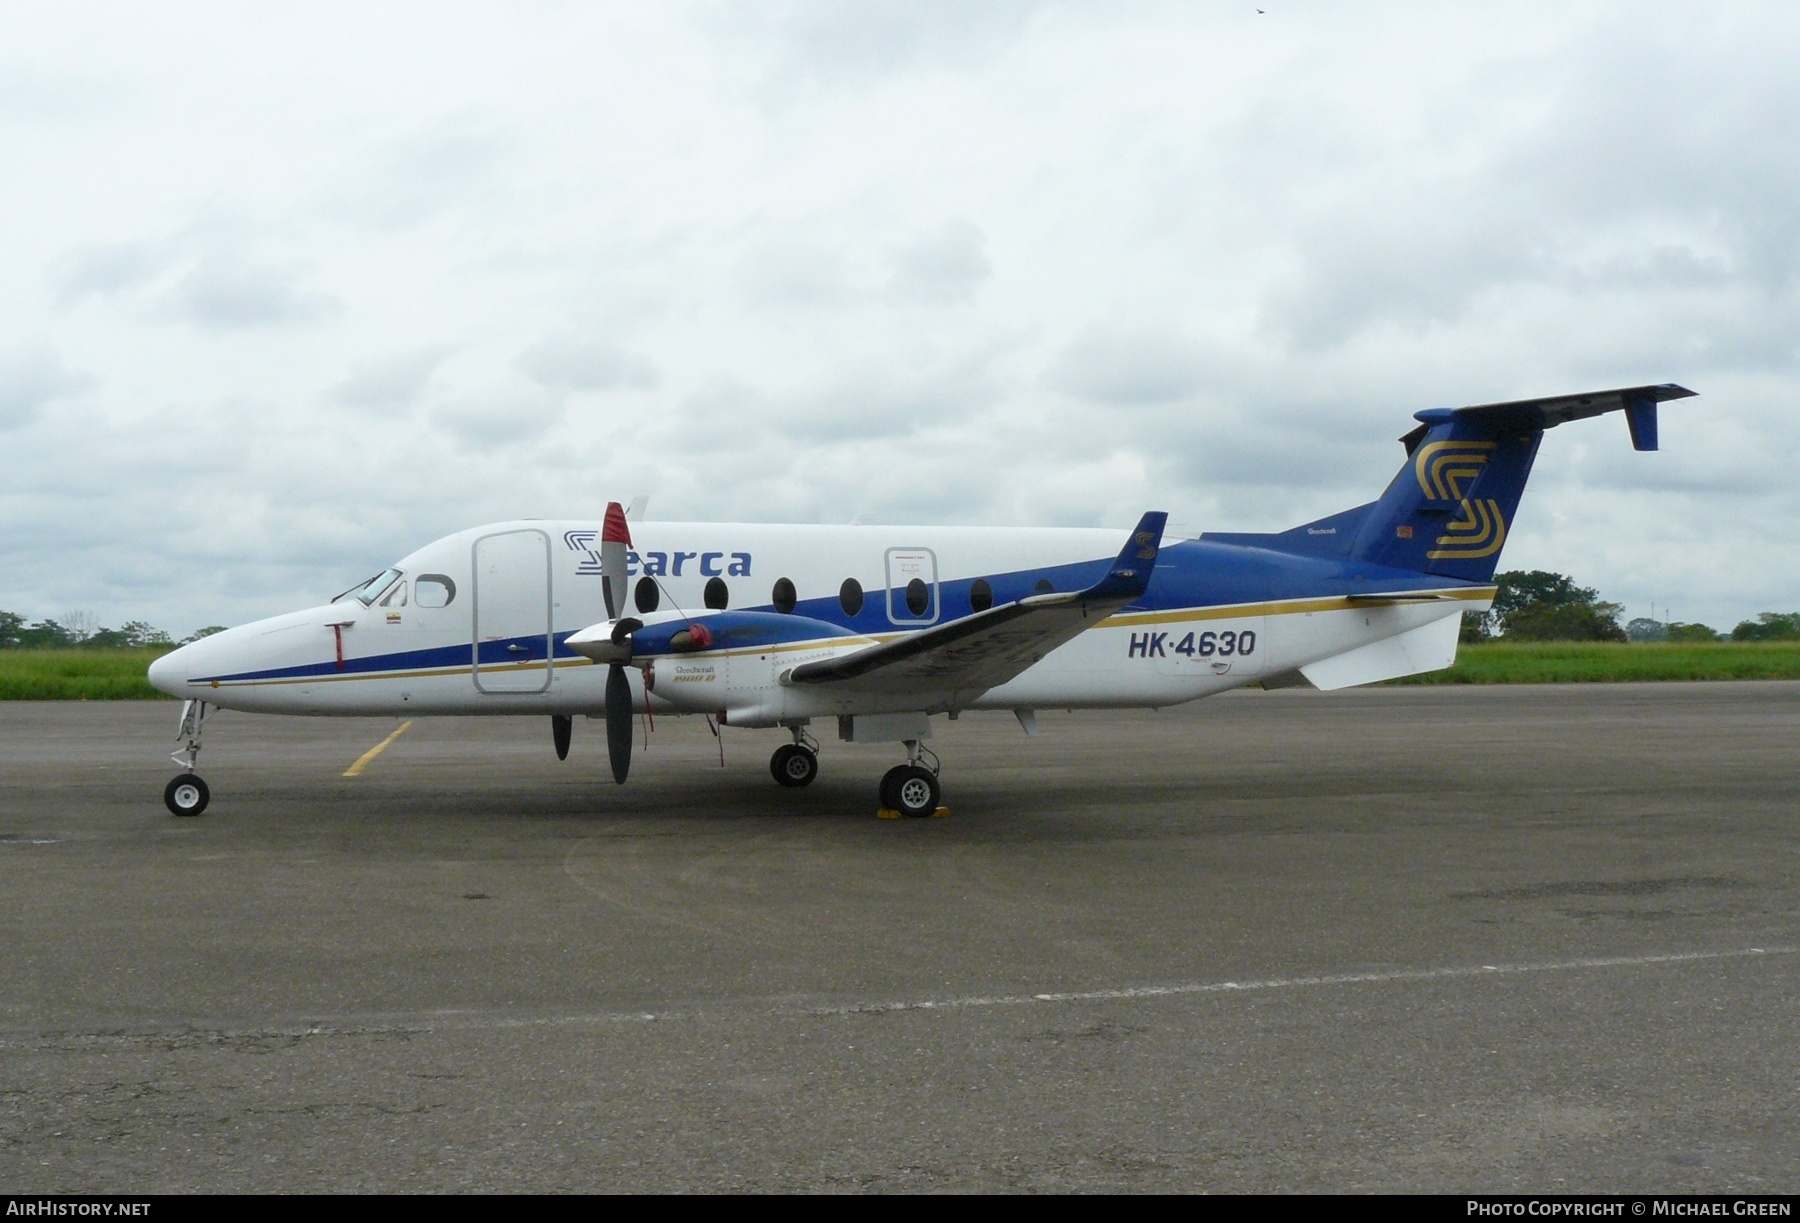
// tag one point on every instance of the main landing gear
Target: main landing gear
(796, 764)
(186, 794)
(911, 790)
(908, 791)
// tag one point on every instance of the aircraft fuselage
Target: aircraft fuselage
(474, 623)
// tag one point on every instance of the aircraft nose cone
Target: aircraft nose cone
(167, 672)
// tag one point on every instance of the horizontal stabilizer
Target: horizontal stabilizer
(1637, 402)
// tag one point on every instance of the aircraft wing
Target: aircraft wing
(966, 657)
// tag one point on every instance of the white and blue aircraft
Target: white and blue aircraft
(880, 627)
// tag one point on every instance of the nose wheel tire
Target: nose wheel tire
(910, 790)
(794, 765)
(186, 794)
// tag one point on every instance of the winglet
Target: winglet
(1640, 417)
(1129, 577)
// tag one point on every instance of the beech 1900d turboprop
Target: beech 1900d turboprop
(880, 628)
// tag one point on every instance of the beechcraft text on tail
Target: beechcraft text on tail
(873, 630)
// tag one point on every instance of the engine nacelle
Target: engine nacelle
(725, 663)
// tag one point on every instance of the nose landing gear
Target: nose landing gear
(186, 794)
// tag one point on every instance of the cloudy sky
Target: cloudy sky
(290, 290)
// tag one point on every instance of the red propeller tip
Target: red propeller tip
(615, 530)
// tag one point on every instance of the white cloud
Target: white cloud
(945, 266)
(31, 378)
(200, 276)
(225, 294)
(104, 268)
(499, 418)
(391, 383)
(1107, 365)
(570, 363)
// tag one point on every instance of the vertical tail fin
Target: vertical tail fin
(1448, 510)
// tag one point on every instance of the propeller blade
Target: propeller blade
(560, 727)
(615, 540)
(618, 721)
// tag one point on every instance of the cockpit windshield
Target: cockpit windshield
(367, 592)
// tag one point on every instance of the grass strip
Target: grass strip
(78, 675)
(1605, 662)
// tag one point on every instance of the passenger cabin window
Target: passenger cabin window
(784, 596)
(717, 596)
(646, 595)
(981, 595)
(850, 596)
(918, 597)
(433, 590)
(1045, 586)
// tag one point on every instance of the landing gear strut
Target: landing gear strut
(911, 789)
(187, 794)
(796, 764)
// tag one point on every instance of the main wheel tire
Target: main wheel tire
(890, 785)
(793, 765)
(186, 795)
(916, 793)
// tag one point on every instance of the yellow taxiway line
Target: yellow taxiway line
(362, 761)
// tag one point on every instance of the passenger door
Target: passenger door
(512, 612)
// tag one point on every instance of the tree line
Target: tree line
(83, 630)
(1536, 605)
